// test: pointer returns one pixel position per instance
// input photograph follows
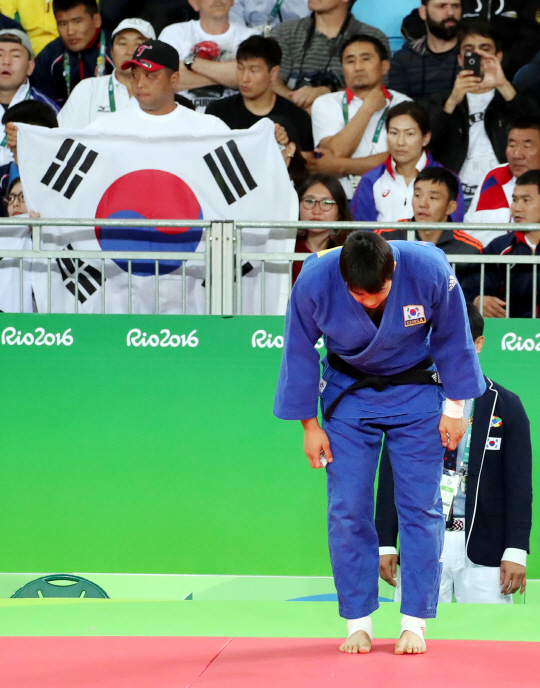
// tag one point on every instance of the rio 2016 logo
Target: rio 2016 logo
(511, 342)
(137, 337)
(264, 340)
(39, 337)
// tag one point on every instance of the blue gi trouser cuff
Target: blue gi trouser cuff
(358, 613)
(429, 613)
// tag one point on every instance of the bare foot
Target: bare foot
(359, 642)
(410, 644)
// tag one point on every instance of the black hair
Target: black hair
(478, 27)
(366, 262)
(476, 321)
(335, 189)
(379, 46)
(526, 122)
(257, 46)
(440, 175)
(90, 6)
(531, 177)
(414, 111)
(31, 112)
(12, 184)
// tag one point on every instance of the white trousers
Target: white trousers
(462, 579)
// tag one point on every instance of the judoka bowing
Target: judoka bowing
(398, 342)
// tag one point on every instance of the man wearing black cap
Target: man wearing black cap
(155, 76)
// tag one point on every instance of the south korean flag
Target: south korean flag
(236, 175)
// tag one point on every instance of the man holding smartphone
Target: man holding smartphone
(470, 125)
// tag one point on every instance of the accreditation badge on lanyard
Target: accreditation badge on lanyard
(348, 95)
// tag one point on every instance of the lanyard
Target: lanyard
(26, 97)
(276, 8)
(112, 101)
(380, 124)
(100, 62)
(467, 445)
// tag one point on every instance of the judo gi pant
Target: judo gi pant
(416, 454)
(462, 579)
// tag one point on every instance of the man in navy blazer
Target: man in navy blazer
(487, 534)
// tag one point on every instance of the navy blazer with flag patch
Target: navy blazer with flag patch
(498, 504)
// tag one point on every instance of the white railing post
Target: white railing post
(228, 268)
(216, 261)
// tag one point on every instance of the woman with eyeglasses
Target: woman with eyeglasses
(322, 199)
(16, 237)
(385, 193)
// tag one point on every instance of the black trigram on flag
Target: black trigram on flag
(227, 175)
(66, 178)
(89, 277)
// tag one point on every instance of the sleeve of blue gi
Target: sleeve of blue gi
(451, 344)
(297, 395)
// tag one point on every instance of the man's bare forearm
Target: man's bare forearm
(189, 80)
(362, 165)
(223, 73)
(345, 142)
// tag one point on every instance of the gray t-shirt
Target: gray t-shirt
(322, 54)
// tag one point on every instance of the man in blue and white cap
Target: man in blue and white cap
(98, 96)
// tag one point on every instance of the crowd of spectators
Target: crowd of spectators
(445, 129)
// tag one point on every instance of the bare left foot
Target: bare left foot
(410, 644)
(358, 643)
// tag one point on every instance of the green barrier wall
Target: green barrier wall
(137, 444)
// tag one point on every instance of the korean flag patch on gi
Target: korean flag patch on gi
(493, 443)
(414, 315)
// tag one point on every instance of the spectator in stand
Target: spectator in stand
(493, 198)
(159, 13)
(26, 112)
(95, 97)
(470, 125)
(16, 66)
(348, 126)
(435, 199)
(207, 48)
(429, 65)
(311, 65)
(37, 19)
(525, 210)
(516, 21)
(385, 193)
(321, 199)
(81, 51)
(257, 66)
(15, 238)
(264, 14)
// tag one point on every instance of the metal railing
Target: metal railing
(224, 257)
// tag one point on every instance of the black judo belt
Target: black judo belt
(417, 375)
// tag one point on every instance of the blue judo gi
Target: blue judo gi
(424, 314)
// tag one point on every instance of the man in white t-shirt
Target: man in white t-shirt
(207, 48)
(153, 110)
(349, 126)
(98, 96)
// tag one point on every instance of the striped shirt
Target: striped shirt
(322, 54)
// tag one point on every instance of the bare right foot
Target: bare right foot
(358, 643)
